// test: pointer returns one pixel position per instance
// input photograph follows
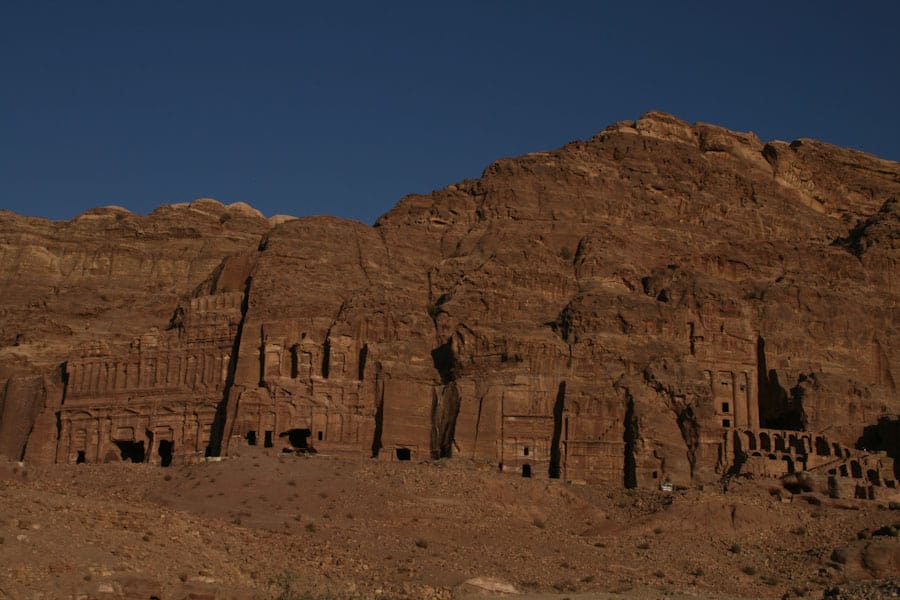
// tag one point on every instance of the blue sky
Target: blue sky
(302, 108)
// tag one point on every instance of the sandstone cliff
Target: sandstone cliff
(662, 302)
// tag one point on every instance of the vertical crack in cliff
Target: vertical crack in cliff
(379, 411)
(33, 420)
(477, 425)
(361, 362)
(436, 434)
(326, 345)
(690, 433)
(326, 355)
(217, 431)
(360, 260)
(446, 404)
(261, 354)
(555, 452)
(450, 403)
(687, 422)
(630, 438)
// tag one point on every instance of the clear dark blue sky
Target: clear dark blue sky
(343, 107)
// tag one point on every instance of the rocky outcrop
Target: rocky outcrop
(619, 310)
(90, 286)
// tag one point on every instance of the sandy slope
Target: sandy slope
(242, 527)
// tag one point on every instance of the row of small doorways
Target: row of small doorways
(135, 452)
(298, 438)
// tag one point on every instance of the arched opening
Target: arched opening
(764, 442)
(872, 476)
(751, 440)
(526, 470)
(789, 463)
(166, 448)
(779, 443)
(133, 451)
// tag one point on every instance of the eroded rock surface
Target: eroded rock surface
(664, 303)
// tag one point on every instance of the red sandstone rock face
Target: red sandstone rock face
(92, 285)
(662, 302)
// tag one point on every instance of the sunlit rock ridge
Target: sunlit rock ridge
(662, 303)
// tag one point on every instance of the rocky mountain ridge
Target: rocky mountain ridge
(662, 303)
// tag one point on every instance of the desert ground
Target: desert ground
(266, 524)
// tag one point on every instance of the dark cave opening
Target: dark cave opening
(443, 361)
(165, 451)
(133, 451)
(297, 437)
